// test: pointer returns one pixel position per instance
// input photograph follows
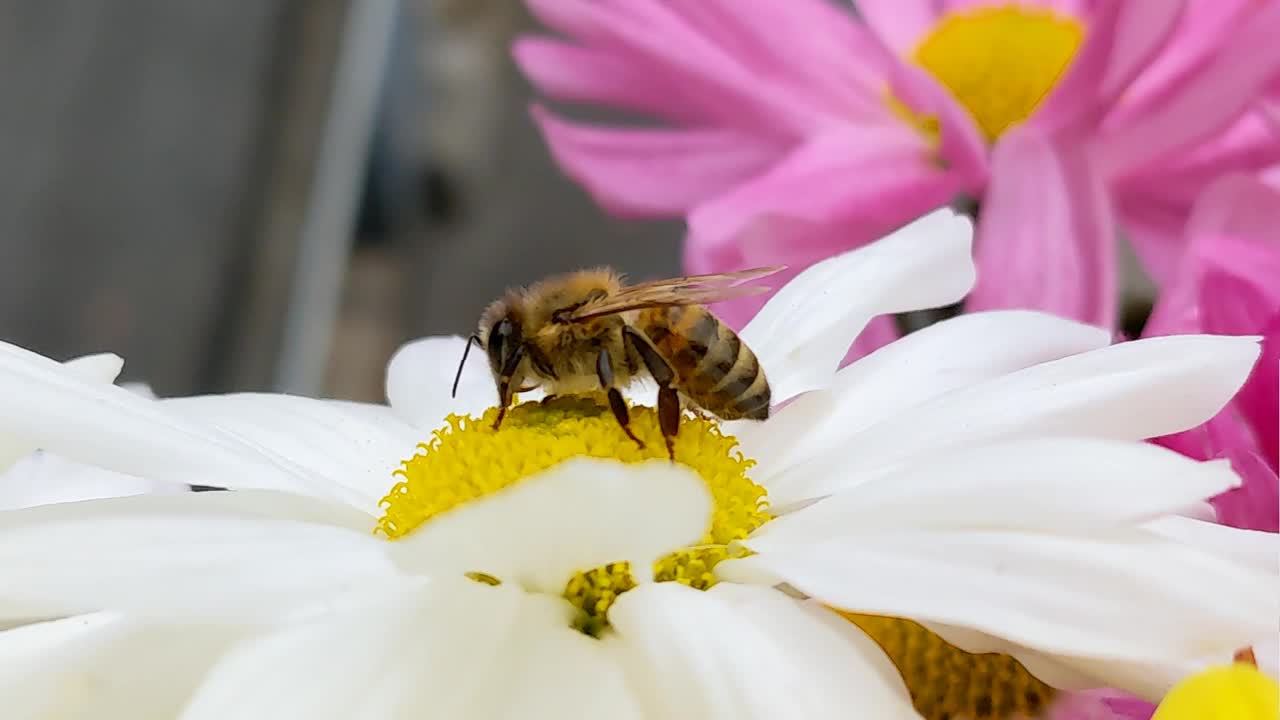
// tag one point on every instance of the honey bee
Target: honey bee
(588, 331)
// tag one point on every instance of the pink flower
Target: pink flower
(789, 131)
(1229, 283)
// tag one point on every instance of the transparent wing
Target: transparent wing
(688, 290)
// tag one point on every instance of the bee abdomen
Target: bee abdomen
(714, 367)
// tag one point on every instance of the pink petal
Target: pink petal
(1126, 706)
(1154, 229)
(901, 24)
(1177, 310)
(1255, 505)
(1075, 100)
(654, 172)
(962, 149)
(1225, 286)
(836, 191)
(580, 74)
(1141, 31)
(1258, 402)
(1045, 233)
(656, 40)
(1064, 7)
(1210, 100)
(1237, 205)
(844, 188)
(1204, 25)
(806, 44)
(1121, 40)
(1271, 109)
(1097, 705)
(565, 16)
(1194, 443)
(1159, 228)
(1240, 289)
(1246, 147)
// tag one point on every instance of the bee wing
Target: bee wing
(714, 280)
(687, 290)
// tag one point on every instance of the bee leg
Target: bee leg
(604, 371)
(668, 399)
(504, 384)
(669, 417)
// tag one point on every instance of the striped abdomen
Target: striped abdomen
(713, 368)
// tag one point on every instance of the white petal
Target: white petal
(804, 330)
(346, 450)
(1254, 548)
(1267, 651)
(453, 649)
(101, 368)
(420, 378)
(577, 515)
(1203, 510)
(243, 553)
(1116, 596)
(1149, 679)
(52, 407)
(106, 667)
(824, 636)
(1130, 391)
(702, 655)
(951, 354)
(141, 389)
(1079, 484)
(42, 478)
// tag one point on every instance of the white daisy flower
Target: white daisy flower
(101, 368)
(984, 476)
(30, 476)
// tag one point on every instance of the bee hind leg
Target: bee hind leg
(604, 371)
(668, 398)
(669, 417)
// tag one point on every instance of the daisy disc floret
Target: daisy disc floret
(468, 459)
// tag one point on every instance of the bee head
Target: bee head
(504, 345)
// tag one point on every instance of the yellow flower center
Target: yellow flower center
(1233, 692)
(1000, 62)
(947, 682)
(467, 459)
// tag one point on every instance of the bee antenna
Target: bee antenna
(467, 351)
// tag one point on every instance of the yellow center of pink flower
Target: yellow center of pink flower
(1000, 62)
(1232, 692)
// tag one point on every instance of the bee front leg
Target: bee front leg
(668, 398)
(604, 371)
(504, 384)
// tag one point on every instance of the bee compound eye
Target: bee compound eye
(502, 342)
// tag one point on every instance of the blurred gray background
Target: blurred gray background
(274, 194)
